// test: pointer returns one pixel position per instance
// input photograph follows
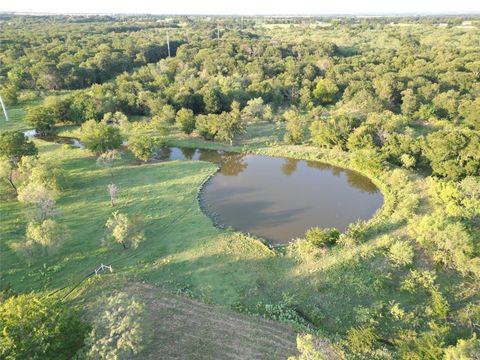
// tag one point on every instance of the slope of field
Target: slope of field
(183, 328)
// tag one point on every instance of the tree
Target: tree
(109, 159)
(42, 238)
(186, 120)
(230, 124)
(295, 127)
(124, 230)
(332, 133)
(453, 154)
(409, 102)
(255, 109)
(39, 327)
(100, 137)
(362, 138)
(14, 145)
(40, 118)
(35, 192)
(113, 191)
(325, 91)
(223, 127)
(117, 331)
(143, 146)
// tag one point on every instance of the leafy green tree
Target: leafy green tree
(296, 124)
(186, 120)
(117, 331)
(143, 146)
(409, 102)
(230, 124)
(42, 238)
(363, 137)
(408, 161)
(254, 111)
(40, 118)
(468, 110)
(325, 91)
(100, 137)
(453, 154)
(13, 147)
(9, 94)
(124, 230)
(332, 133)
(39, 327)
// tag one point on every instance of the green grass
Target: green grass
(16, 115)
(183, 250)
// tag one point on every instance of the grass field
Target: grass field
(185, 254)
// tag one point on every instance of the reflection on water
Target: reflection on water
(289, 166)
(280, 198)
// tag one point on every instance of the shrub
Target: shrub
(117, 329)
(322, 237)
(35, 327)
(401, 253)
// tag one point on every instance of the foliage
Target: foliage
(42, 238)
(143, 146)
(117, 331)
(325, 90)
(306, 347)
(39, 327)
(40, 118)
(464, 350)
(295, 127)
(14, 145)
(100, 137)
(453, 154)
(448, 241)
(125, 230)
(401, 253)
(37, 193)
(186, 120)
(322, 237)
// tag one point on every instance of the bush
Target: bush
(35, 327)
(401, 253)
(322, 237)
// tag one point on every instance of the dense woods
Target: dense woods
(398, 97)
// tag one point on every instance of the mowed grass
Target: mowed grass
(179, 327)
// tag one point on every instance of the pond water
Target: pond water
(278, 199)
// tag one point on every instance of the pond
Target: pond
(278, 199)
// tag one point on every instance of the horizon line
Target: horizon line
(389, 14)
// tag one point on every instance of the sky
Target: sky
(245, 7)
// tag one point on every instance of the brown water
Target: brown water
(278, 199)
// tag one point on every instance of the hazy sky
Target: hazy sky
(243, 6)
